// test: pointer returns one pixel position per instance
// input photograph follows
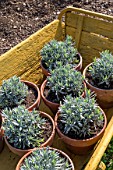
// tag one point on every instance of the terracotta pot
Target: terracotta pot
(35, 87)
(78, 67)
(28, 154)
(104, 96)
(80, 147)
(1, 135)
(49, 141)
(44, 70)
(53, 106)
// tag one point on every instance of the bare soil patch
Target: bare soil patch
(21, 18)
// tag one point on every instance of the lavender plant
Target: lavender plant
(12, 92)
(55, 51)
(64, 81)
(101, 70)
(80, 118)
(24, 129)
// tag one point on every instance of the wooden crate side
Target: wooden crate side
(24, 59)
(96, 41)
(100, 27)
(89, 44)
(90, 24)
(91, 33)
(71, 31)
(87, 52)
(71, 19)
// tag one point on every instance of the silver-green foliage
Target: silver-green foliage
(56, 51)
(101, 70)
(23, 129)
(45, 159)
(80, 116)
(12, 92)
(64, 81)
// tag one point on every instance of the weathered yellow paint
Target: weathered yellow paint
(24, 59)
(89, 44)
(79, 30)
(90, 24)
(91, 31)
(96, 41)
(101, 166)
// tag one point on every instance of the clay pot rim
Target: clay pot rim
(37, 101)
(51, 148)
(42, 94)
(1, 120)
(76, 67)
(80, 140)
(80, 62)
(43, 144)
(86, 81)
(47, 73)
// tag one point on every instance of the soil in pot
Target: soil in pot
(33, 98)
(44, 69)
(48, 100)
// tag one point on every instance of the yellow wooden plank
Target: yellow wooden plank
(95, 41)
(92, 40)
(90, 24)
(71, 31)
(23, 59)
(96, 157)
(101, 166)
(101, 27)
(87, 51)
(97, 26)
(81, 11)
(72, 19)
(79, 30)
(88, 54)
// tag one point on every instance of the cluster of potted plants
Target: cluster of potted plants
(25, 128)
(79, 120)
(15, 92)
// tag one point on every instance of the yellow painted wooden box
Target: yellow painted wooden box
(93, 32)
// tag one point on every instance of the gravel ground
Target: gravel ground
(21, 18)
